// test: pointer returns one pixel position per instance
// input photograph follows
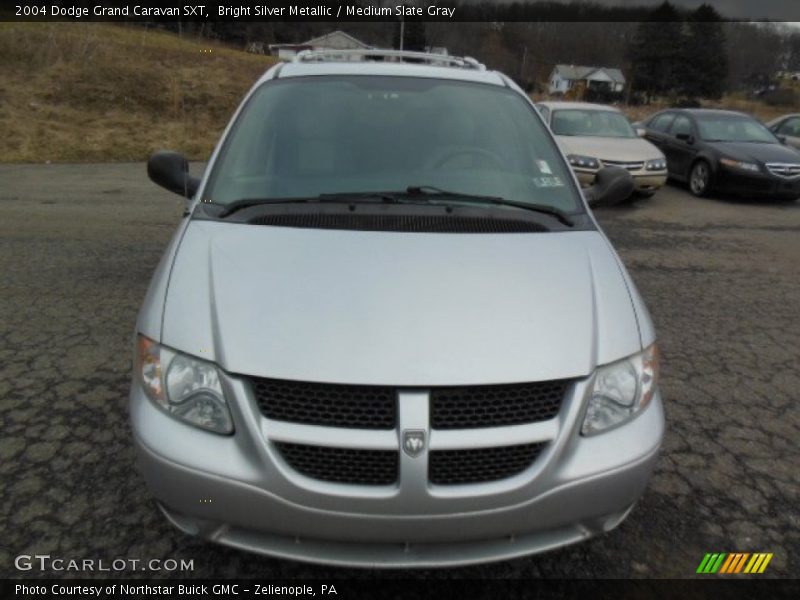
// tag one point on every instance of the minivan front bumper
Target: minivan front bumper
(236, 490)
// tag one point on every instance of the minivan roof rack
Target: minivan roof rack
(367, 54)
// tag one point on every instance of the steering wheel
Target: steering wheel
(468, 151)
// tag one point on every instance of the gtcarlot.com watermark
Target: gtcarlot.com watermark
(45, 562)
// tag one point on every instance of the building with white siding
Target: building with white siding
(566, 77)
(335, 40)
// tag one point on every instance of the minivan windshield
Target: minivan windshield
(594, 123)
(733, 128)
(306, 136)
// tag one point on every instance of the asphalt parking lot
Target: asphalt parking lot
(722, 280)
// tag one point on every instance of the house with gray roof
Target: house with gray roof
(566, 77)
(335, 40)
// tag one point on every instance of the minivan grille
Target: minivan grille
(480, 465)
(357, 460)
(402, 223)
(342, 465)
(471, 407)
(331, 405)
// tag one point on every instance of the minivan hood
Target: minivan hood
(397, 308)
(608, 148)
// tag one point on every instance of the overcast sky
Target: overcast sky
(774, 10)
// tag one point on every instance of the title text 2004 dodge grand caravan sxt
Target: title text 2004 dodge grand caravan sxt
(388, 331)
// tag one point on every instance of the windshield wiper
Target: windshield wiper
(430, 191)
(425, 193)
(741, 141)
(346, 197)
(238, 205)
(387, 197)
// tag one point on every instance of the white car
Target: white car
(594, 135)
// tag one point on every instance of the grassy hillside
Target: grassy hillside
(100, 92)
(104, 92)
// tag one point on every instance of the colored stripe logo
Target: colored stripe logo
(734, 562)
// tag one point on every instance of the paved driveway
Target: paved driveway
(722, 280)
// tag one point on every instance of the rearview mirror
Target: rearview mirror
(781, 138)
(686, 137)
(641, 131)
(170, 170)
(611, 186)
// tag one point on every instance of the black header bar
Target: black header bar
(374, 586)
(333, 11)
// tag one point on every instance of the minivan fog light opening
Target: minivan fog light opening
(191, 389)
(621, 390)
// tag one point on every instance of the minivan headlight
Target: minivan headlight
(185, 387)
(621, 390)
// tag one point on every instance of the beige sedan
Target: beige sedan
(594, 136)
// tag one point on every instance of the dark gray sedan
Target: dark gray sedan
(725, 151)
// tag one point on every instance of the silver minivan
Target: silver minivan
(388, 331)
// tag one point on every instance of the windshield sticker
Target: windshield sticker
(548, 182)
(544, 167)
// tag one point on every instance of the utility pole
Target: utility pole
(402, 31)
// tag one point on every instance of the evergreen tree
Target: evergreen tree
(655, 53)
(705, 55)
(415, 36)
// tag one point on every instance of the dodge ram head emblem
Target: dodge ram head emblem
(413, 442)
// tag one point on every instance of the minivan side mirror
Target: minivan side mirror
(611, 186)
(170, 170)
(686, 137)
